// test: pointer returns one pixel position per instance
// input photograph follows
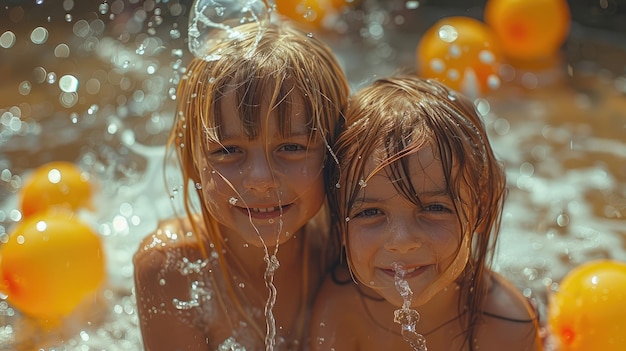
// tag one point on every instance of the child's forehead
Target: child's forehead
(232, 119)
(425, 173)
(418, 157)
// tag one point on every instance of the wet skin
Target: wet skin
(385, 229)
(267, 187)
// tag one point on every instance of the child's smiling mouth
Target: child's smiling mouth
(266, 212)
(408, 272)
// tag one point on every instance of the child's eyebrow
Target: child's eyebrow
(435, 193)
(277, 135)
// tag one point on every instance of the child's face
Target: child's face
(385, 228)
(272, 184)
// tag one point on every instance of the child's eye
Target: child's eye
(224, 153)
(437, 208)
(292, 147)
(368, 213)
(226, 150)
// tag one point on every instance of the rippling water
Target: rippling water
(92, 82)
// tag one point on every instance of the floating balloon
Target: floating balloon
(529, 29)
(50, 264)
(462, 53)
(587, 313)
(313, 13)
(56, 184)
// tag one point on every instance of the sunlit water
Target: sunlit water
(94, 83)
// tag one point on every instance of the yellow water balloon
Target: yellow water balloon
(529, 29)
(56, 184)
(50, 264)
(314, 13)
(462, 53)
(587, 313)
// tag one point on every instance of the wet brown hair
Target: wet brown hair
(393, 118)
(281, 66)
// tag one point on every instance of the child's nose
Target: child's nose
(402, 238)
(259, 174)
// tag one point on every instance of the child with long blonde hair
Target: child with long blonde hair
(253, 127)
(417, 198)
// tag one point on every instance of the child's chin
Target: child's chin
(392, 296)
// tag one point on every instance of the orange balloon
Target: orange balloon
(56, 184)
(50, 264)
(313, 13)
(462, 53)
(587, 313)
(529, 29)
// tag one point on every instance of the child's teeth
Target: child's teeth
(268, 209)
(411, 270)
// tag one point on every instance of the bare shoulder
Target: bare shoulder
(171, 236)
(336, 315)
(509, 320)
(159, 259)
(161, 278)
(338, 292)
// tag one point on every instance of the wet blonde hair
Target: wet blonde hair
(393, 118)
(283, 65)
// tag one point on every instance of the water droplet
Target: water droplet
(7, 39)
(52, 77)
(412, 5)
(39, 35)
(437, 65)
(103, 8)
(24, 88)
(68, 99)
(454, 51)
(562, 220)
(448, 33)
(174, 33)
(493, 82)
(68, 83)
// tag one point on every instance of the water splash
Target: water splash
(270, 335)
(212, 22)
(230, 344)
(406, 316)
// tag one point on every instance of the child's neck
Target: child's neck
(251, 258)
(249, 263)
(439, 312)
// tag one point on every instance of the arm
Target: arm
(157, 283)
